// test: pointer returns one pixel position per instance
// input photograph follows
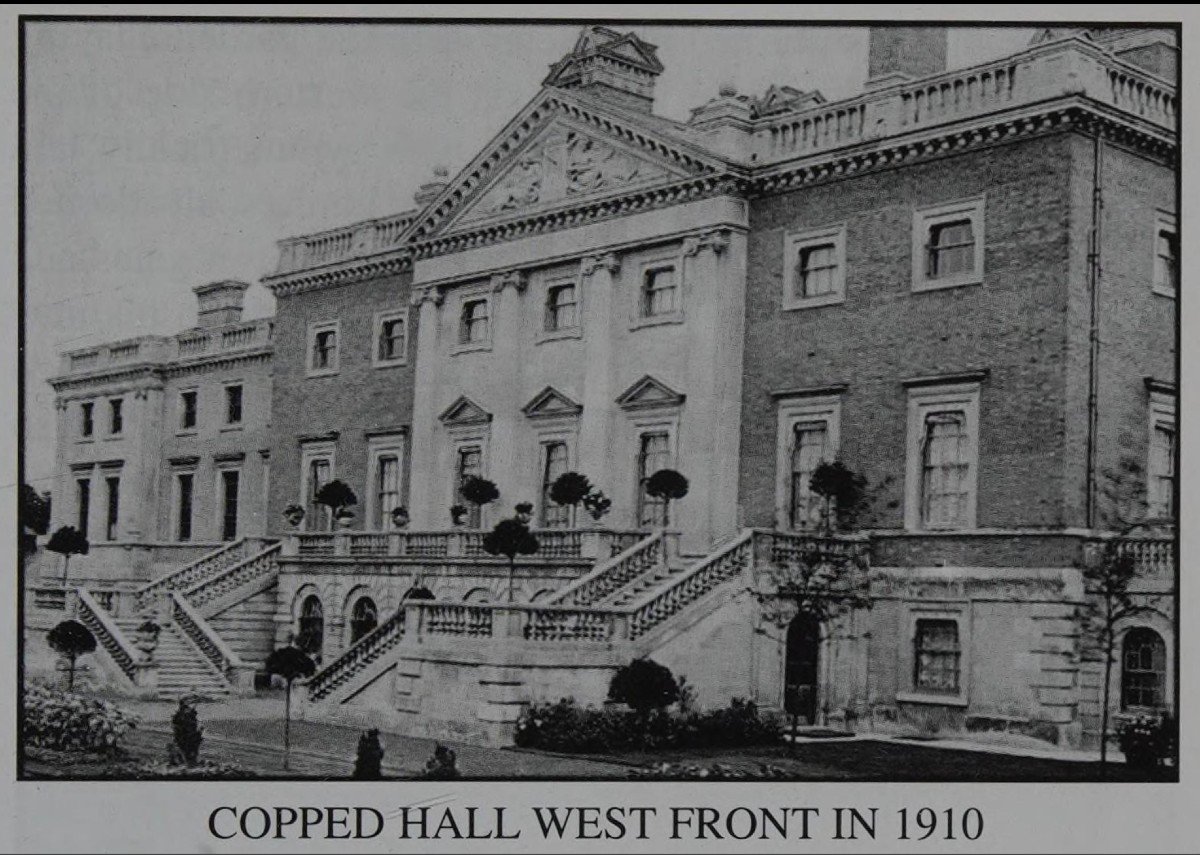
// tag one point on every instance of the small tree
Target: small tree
(34, 515)
(479, 491)
(337, 496)
(510, 538)
(71, 639)
(368, 762)
(68, 541)
(644, 685)
(569, 489)
(668, 485)
(188, 734)
(290, 663)
(843, 494)
(597, 504)
(442, 766)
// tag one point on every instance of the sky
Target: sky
(161, 156)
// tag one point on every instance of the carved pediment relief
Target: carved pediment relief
(550, 403)
(648, 393)
(464, 411)
(560, 163)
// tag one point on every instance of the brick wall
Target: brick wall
(1013, 324)
(357, 399)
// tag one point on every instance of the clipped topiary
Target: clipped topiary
(71, 639)
(644, 685)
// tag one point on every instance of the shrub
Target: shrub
(597, 504)
(71, 639)
(715, 772)
(442, 766)
(336, 495)
(565, 726)
(368, 762)
(644, 685)
(1148, 740)
(185, 725)
(479, 491)
(68, 722)
(570, 488)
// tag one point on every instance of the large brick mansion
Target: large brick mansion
(959, 283)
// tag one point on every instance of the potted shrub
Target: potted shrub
(597, 504)
(294, 514)
(400, 517)
(510, 538)
(569, 489)
(70, 640)
(479, 491)
(68, 541)
(338, 497)
(525, 512)
(668, 485)
(344, 518)
(458, 515)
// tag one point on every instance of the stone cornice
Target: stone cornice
(217, 360)
(148, 371)
(345, 272)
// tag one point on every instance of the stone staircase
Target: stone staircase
(182, 669)
(657, 577)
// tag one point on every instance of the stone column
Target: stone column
(597, 283)
(422, 499)
(502, 465)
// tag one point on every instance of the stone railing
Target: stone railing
(191, 345)
(645, 555)
(234, 576)
(457, 619)
(361, 654)
(92, 615)
(1153, 556)
(731, 560)
(782, 547)
(123, 352)
(582, 544)
(191, 575)
(352, 241)
(236, 672)
(1039, 73)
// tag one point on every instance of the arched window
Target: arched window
(418, 592)
(364, 617)
(1143, 669)
(478, 595)
(311, 637)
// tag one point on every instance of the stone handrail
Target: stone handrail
(234, 576)
(785, 547)
(618, 571)
(658, 605)
(92, 615)
(232, 667)
(358, 656)
(1153, 556)
(204, 567)
(1070, 66)
(569, 544)
(460, 619)
(340, 244)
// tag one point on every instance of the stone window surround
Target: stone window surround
(800, 409)
(119, 400)
(657, 420)
(311, 450)
(380, 445)
(924, 219)
(673, 257)
(173, 517)
(462, 437)
(315, 327)
(931, 398)
(221, 467)
(912, 612)
(228, 425)
(87, 437)
(796, 241)
(1161, 412)
(180, 430)
(548, 281)
(564, 429)
(379, 320)
(479, 292)
(1164, 221)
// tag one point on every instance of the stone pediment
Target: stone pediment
(561, 163)
(464, 411)
(551, 403)
(648, 393)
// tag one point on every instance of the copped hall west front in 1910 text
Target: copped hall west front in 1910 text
(960, 284)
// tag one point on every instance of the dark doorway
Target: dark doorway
(801, 668)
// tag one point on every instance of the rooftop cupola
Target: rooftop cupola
(219, 303)
(897, 54)
(618, 67)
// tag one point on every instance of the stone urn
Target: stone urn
(294, 514)
(525, 513)
(344, 519)
(400, 518)
(145, 638)
(458, 515)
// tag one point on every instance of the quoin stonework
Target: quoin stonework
(959, 284)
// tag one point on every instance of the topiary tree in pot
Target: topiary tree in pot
(339, 498)
(510, 538)
(68, 541)
(71, 639)
(668, 485)
(570, 489)
(479, 492)
(291, 663)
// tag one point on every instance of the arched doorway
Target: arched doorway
(364, 617)
(311, 635)
(802, 667)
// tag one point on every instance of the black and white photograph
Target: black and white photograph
(627, 400)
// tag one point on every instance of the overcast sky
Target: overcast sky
(162, 156)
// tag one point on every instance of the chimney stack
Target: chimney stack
(904, 53)
(219, 303)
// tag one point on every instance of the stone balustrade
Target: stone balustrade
(352, 241)
(565, 544)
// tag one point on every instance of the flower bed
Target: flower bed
(565, 726)
(64, 721)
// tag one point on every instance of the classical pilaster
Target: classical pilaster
(422, 501)
(507, 422)
(598, 281)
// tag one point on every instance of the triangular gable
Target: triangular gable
(605, 124)
(647, 393)
(782, 99)
(550, 403)
(464, 411)
(561, 162)
(601, 41)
